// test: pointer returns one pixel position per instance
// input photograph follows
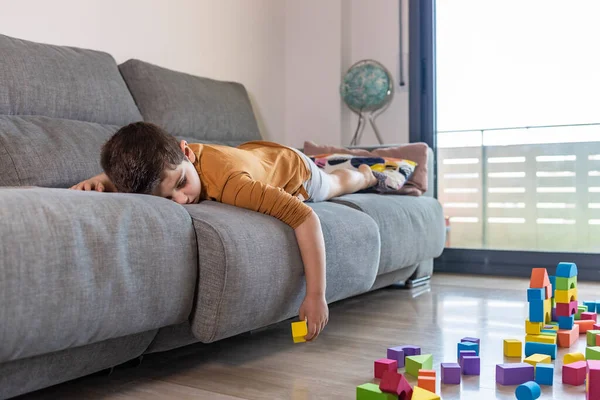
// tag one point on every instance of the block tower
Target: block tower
(565, 298)
(541, 335)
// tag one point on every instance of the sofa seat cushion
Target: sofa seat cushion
(81, 267)
(412, 228)
(251, 273)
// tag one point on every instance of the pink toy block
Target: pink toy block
(393, 382)
(574, 373)
(566, 309)
(593, 380)
(549, 291)
(596, 327)
(384, 364)
(589, 315)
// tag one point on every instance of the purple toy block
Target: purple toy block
(464, 353)
(410, 350)
(514, 373)
(554, 316)
(450, 373)
(396, 353)
(470, 339)
(471, 365)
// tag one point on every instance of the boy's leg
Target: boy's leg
(346, 181)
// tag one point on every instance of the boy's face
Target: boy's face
(182, 185)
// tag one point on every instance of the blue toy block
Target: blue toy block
(528, 391)
(566, 270)
(591, 305)
(553, 283)
(544, 374)
(532, 348)
(536, 311)
(536, 294)
(566, 322)
(467, 346)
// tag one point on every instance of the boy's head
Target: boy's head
(143, 158)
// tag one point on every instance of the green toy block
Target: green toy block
(566, 283)
(591, 337)
(414, 363)
(580, 309)
(546, 332)
(592, 353)
(370, 391)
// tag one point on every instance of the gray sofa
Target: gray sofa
(91, 280)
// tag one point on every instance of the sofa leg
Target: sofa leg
(105, 372)
(412, 283)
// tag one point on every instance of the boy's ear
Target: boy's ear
(187, 151)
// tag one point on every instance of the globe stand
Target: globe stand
(361, 127)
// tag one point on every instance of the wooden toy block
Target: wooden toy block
(544, 374)
(533, 328)
(471, 365)
(534, 359)
(540, 348)
(566, 270)
(586, 316)
(565, 283)
(513, 348)
(539, 278)
(414, 363)
(514, 373)
(410, 350)
(299, 331)
(593, 380)
(464, 353)
(549, 292)
(423, 394)
(536, 311)
(450, 373)
(591, 337)
(585, 325)
(574, 373)
(566, 309)
(567, 338)
(393, 382)
(384, 364)
(565, 296)
(427, 383)
(541, 339)
(470, 339)
(591, 305)
(396, 353)
(592, 353)
(528, 391)
(579, 311)
(566, 322)
(466, 346)
(596, 327)
(427, 372)
(370, 391)
(573, 357)
(536, 294)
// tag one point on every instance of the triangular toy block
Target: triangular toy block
(539, 278)
(422, 394)
(415, 363)
(592, 353)
(393, 382)
(370, 391)
(566, 270)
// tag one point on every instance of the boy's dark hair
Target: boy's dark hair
(135, 157)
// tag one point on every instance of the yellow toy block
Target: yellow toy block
(573, 357)
(541, 339)
(299, 331)
(535, 359)
(547, 310)
(565, 296)
(533, 328)
(422, 394)
(513, 348)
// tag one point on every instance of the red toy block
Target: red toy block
(393, 382)
(585, 325)
(568, 337)
(539, 278)
(574, 373)
(427, 372)
(385, 364)
(589, 315)
(596, 327)
(566, 309)
(593, 380)
(427, 383)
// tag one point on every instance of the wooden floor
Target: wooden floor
(267, 365)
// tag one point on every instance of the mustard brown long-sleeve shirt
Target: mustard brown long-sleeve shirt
(260, 176)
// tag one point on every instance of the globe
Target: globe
(367, 86)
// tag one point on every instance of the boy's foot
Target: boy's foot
(370, 179)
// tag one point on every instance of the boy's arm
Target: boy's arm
(100, 183)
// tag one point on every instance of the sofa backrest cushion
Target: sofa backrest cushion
(196, 108)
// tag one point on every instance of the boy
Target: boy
(260, 176)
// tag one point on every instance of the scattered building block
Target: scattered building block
(427, 383)
(565, 283)
(514, 373)
(423, 394)
(579, 311)
(566, 309)
(540, 348)
(536, 294)
(544, 374)
(370, 391)
(466, 346)
(566, 270)
(552, 326)
(592, 353)
(528, 391)
(393, 382)
(513, 348)
(574, 373)
(549, 291)
(541, 338)
(450, 373)
(565, 296)
(591, 337)
(565, 322)
(589, 316)
(427, 372)
(471, 365)
(384, 364)
(536, 311)
(593, 380)
(552, 279)
(585, 325)
(573, 357)
(533, 328)
(548, 332)
(396, 353)
(414, 363)
(547, 311)
(567, 338)
(463, 353)
(410, 350)
(539, 278)
(553, 315)
(596, 327)
(470, 339)
(591, 305)
(535, 359)
(299, 331)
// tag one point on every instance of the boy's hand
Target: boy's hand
(99, 183)
(314, 309)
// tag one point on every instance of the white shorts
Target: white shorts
(318, 185)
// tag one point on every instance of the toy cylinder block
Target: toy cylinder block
(574, 373)
(566, 270)
(539, 278)
(585, 325)
(450, 373)
(528, 391)
(513, 348)
(514, 373)
(567, 338)
(573, 357)
(565, 296)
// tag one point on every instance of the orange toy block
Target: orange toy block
(427, 372)
(539, 278)
(585, 325)
(427, 383)
(567, 337)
